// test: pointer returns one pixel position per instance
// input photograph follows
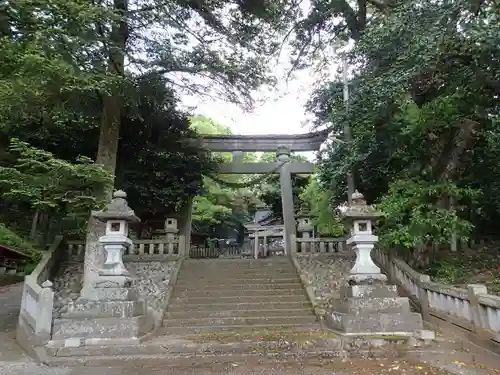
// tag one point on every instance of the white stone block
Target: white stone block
(73, 342)
(424, 334)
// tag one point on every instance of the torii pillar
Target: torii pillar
(283, 156)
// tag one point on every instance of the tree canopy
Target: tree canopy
(423, 111)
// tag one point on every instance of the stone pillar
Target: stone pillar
(187, 219)
(474, 290)
(256, 245)
(423, 297)
(170, 227)
(44, 314)
(283, 156)
(305, 228)
(238, 156)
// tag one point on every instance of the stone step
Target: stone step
(240, 313)
(303, 304)
(217, 283)
(170, 346)
(239, 321)
(229, 275)
(232, 328)
(238, 267)
(226, 278)
(226, 262)
(235, 264)
(238, 299)
(229, 292)
(240, 287)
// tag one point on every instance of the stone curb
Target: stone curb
(173, 360)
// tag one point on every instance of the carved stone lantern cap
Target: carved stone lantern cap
(304, 212)
(117, 209)
(359, 210)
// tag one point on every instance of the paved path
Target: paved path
(457, 360)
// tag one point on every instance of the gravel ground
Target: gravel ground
(346, 367)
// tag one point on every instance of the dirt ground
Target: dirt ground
(450, 356)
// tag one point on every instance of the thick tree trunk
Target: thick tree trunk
(34, 224)
(109, 135)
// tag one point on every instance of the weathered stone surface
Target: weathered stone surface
(325, 274)
(103, 327)
(375, 305)
(374, 323)
(120, 309)
(369, 291)
(151, 283)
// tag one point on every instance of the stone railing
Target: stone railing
(35, 317)
(317, 245)
(471, 308)
(159, 247)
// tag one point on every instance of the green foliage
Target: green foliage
(471, 266)
(269, 189)
(11, 239)
(423, 114)
(224, 201)
(325, 217)
(413, 216)
(44, 183)
(156, 165)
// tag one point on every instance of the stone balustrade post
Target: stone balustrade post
(182, 246)
(423, 296)
(43, 323)
(474, 290)
(341, 246)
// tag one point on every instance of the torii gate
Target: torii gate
(283, 145)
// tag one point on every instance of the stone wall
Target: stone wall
(152, 283)
(323, 274)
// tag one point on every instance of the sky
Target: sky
(282, 110)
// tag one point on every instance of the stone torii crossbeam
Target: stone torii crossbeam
(283, 145)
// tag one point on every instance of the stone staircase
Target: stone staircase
(237, 295)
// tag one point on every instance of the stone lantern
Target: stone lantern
(304, 227)
(109, 307)
(360, 217)
(117, 215)
(367, 304)
(171, 231)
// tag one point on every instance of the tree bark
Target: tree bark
(34, 224)
(112, 105)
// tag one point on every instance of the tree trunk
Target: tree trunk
(109, 135)
(34, 224)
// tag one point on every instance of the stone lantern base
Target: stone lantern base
(107, 310)
(373, 309)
